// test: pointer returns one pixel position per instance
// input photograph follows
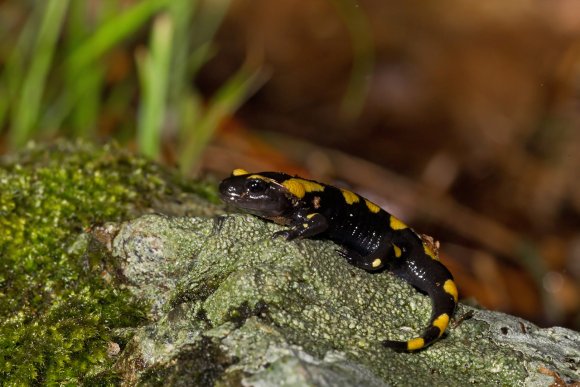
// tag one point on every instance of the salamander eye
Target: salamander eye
(256, 186)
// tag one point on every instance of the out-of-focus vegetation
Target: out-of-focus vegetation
(120, 69)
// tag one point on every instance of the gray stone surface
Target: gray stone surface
(229, 305)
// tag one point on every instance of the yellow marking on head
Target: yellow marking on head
(295, 187)
(416, 343)
(256, 176)
(305, 225)
(398, 251)
(372, 206)
(239, 172)
(298, 187)
(396, 224)
(450, 288)
(441, 322)
(310, 186)
(310, 216)
(430, 252)
(349, 197)
(376, 263)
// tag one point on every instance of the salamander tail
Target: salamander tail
(430, 335)
(443, 293)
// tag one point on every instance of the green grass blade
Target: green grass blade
(12, 75)
(363, 57)
(111, 33)
(181, 12)
(226, 101)
(28, 106)
(115, 26)
(85, 116)
(82, 19)
(154, 78)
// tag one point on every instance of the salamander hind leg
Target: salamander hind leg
(432, 277)
(370, 262)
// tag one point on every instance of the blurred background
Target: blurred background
(460, 117)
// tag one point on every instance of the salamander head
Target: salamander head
(257, 193)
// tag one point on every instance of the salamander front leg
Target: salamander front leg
(304, 227)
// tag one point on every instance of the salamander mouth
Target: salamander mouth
(228, 197)
(230, 193)
(258, 208)
(263, 208)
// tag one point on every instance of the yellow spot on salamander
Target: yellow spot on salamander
(398, 251)
(239, 172)
(430, 252)
(450, 288)
(311, 186)
(441, 322)
(310, 216)
(350, 197)
(396, 224)
(372, 206)
(415, 344)
(295, 188)
(376, 263)
(298, 187)
(305, 225)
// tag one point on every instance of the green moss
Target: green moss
(56, 312)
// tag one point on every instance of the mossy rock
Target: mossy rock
(116, 271)
(57, 313)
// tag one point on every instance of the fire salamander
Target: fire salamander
(372, 238)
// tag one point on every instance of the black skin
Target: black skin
(363, 234)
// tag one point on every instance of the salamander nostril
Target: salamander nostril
(226, 189)
(229, 192)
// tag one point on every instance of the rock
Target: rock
(229, 305)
